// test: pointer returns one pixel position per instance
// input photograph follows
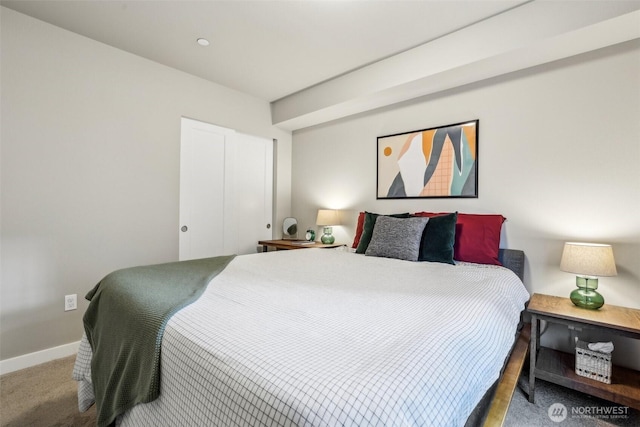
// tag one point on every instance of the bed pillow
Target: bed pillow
(397, 237)
(439, 238)
(367, 229)
(359, 227)
(477, 237)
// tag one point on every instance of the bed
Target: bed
(320, 337)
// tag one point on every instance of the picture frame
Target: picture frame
(437, 162)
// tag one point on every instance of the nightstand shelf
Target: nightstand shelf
(559, 368)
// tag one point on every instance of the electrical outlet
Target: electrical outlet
(70, 302)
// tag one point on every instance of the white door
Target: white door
(203, 168)
(222, 173)
(254, 191)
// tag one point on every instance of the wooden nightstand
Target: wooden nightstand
(559, 368)
(294, 244)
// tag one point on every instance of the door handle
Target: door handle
(184, 228)
(268, 226)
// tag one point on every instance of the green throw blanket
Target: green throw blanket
(125, 322)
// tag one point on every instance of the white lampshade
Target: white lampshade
(328, 217)
(588, 259)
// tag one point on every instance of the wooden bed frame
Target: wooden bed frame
(508, 381)
(498, 398)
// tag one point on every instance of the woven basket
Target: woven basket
(593, 364)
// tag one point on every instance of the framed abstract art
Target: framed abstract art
(429, 163)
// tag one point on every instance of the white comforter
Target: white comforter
(320, 337)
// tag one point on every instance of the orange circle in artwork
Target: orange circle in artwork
(387, 151)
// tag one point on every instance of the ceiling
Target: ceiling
(319, 60)
(268, 49)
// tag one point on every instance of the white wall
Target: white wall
(90, 170)
(559, 156)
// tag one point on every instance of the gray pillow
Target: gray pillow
(397, 237)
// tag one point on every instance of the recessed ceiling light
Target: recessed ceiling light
(203, 42)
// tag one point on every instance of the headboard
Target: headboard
(513, 259)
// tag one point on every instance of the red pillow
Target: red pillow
(359, 227)
(477, 237)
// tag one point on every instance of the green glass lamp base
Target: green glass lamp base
(586, 295)
(327, 238)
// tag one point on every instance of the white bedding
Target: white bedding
(320, 337)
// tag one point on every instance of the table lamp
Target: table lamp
(588, 261)
(327, 218)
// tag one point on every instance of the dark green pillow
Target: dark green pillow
(367, 229)
(438, 239)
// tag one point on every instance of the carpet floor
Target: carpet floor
(45, 396)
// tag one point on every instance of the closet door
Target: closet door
(254, 191)
(205, 163)
(226, 191)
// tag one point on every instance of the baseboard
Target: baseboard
(37, 358)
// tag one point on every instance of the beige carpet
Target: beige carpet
(44, 395)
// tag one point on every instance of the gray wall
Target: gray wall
(559, 150)
(90, 170)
